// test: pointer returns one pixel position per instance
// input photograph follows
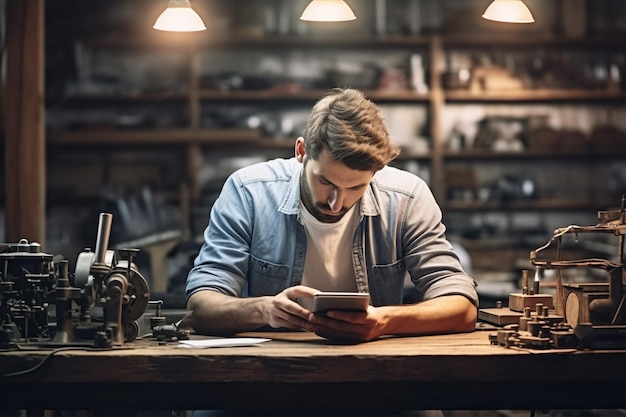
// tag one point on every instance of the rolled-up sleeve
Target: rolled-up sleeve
(222, 263)
(430, 258)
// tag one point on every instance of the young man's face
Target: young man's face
(329, 188)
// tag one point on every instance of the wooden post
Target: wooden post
(437, 102)
(25, 122)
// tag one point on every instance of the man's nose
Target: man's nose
(335, 201)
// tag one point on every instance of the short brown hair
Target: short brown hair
(351, 128)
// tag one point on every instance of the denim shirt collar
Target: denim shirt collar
(291, 203)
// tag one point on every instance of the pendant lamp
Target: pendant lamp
(509, 11)
(328, 11)
(179, 17)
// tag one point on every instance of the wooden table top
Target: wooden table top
(416, 372)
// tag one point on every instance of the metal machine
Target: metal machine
(584, 315)
(98, 305)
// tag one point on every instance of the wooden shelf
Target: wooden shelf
(307, 95)
(530, 40)
(213, 137)
(233, 96)
(155, 137)
(543, 204)
(192, 41)
(451, 96)
(536, 95)
(111, 99)
(189, 42)
(558, 156)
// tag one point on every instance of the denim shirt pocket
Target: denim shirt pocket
(388, 282)
(266, 278)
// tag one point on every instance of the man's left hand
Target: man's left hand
(348, 326)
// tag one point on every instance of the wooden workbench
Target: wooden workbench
(301, 371)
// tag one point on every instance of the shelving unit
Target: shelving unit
(436, 98)
(179, 129)
(535, 96)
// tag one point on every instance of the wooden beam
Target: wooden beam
(25, 119)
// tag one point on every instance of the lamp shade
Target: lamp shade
(179, 17)
(510, 11)
(328, 11)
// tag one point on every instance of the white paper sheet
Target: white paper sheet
(223, 342)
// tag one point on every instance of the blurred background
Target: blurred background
(518, 129)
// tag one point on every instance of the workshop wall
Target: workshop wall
(518, 129)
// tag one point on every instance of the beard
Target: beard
(314, 207)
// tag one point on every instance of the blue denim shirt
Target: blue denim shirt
(255, 243)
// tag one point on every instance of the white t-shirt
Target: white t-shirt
(328, 263)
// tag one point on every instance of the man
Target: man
(333, 218)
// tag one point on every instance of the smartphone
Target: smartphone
(350, 301)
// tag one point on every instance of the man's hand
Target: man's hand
(215, 313)
(287, 313)
(441, 315)
(348, 326)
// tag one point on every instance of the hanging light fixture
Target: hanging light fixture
(328, 11)
(179, 17)
(510, 11)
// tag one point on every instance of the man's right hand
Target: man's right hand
(215, 313)
(285, 311)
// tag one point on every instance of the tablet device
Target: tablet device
(350, 301)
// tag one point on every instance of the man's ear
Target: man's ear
(299, 149)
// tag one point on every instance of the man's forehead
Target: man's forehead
(338, 173)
